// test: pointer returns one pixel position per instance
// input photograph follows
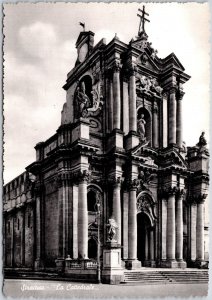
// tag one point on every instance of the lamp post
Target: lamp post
(98, 244)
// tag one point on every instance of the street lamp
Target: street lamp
(98, 244)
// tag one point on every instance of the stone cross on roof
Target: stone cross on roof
(142, 20)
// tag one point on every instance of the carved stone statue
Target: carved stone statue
(155, 86)
(111, 230)
(202, 140)
(141, 128)
(82, 99)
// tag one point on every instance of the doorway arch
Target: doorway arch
(143, 229)
(92, 248)
(146, 220)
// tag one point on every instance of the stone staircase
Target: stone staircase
(163, 276)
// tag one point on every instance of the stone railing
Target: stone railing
(80, 264)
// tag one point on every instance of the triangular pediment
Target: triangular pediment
(145, 60)
(172, 59)
(172, 158)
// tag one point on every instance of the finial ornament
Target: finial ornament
(142, 20)
(83, 25)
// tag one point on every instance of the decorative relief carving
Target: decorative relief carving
(146, 204)
(149, 85)
(112, 230)
(86, 106)
(145, 177)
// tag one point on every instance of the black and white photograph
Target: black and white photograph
(106, 111)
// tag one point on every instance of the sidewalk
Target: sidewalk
(57, 289)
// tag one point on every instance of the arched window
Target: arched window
(92, 248)
(91, 201)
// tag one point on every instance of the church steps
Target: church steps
(159, 277)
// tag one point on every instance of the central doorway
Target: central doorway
(143, 229)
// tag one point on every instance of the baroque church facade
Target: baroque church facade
(115, 181)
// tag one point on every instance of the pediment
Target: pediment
(145, 60)
(147, 156)
(172, 158)
(172, 59)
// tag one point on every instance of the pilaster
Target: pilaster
(179, 120)
(38, 226)
(116, 97)
(172, 116)
(132, 100)
(132, 261)
(83, 215)
(165, 120)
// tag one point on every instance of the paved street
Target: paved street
(64, 289)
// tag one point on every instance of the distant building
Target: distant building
(116, 164)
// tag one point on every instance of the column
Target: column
(146, 245)
(67, 210)
(125, 114)
(107, 105)
(110, 111)
(193, 219)
(23, 238)
(151, 244)
(132, 223)
(179, 227)
(116, 98)
(165, 120)
(83, 216)
(179, 120)
(125, 224)
(200, 231)
(171, 225)
(75, 220)
(132, 102)
(172, 116)
(37, 227)
(61, 211)
(117, 206)
(163, 229)
(155, 127)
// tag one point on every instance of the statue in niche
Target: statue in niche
(141, 128)
(82, 99)
(111, 230)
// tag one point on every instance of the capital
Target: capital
(165, 95)
(180, 95)
(38, 188)
(116, 181)
(168, 191)
(180, 194)
(155, 109)
(173, 90)
(84, 176)
(132, 70)
(201, 198)
(133, 184)
(116, 67)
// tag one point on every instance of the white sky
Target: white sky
(39, 50)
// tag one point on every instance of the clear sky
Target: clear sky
(39, 51)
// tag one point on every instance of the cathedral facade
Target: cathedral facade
(116, 178)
